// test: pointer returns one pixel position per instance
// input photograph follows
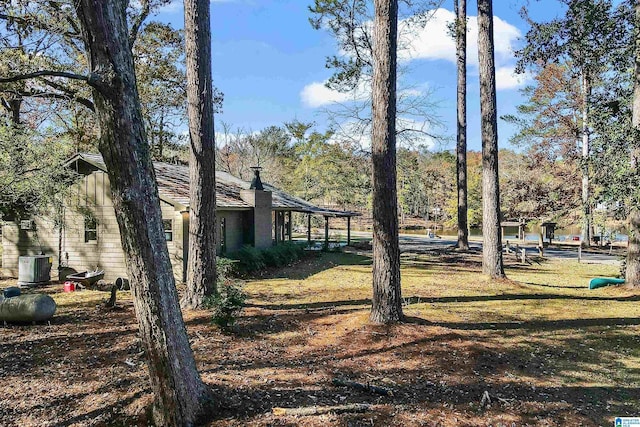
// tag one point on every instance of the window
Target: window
(90, 230)
(167, 224)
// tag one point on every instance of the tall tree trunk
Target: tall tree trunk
(201, 270)
(387, 295)
(492, 238)
(180, 395)
(461, 146)
(632, 274)
(586, 209)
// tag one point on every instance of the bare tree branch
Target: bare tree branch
(70, 93)
(41, 73)
(51, 95)
(137, 23)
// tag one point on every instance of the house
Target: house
(84, 235)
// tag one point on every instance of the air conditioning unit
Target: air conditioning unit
(34, 270)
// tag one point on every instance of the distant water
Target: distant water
(531, 233)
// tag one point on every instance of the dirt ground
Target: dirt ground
(544, 350)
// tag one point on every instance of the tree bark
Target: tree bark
(201, 270)
(632, 274)
(586, 209)
(180, 395)
(461, 146)
(387, 296)
(492, 240)
(16, 106)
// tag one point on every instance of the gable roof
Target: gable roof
(173, 186)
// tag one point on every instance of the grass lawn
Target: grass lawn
(547, 350)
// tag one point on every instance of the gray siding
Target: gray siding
(234, 230)
(89, 196)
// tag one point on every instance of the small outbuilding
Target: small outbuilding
(84, 234)
(521, 224)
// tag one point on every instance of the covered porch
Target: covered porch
(283, 223)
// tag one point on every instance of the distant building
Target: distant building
(90, 238)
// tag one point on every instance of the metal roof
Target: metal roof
(173, 184)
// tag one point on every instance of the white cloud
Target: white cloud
(506, 78)
(433, 41)
(317, 94)
(178, 5)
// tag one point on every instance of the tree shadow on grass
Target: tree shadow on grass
(331, 305)
(110, 415)
(531, 325)
(311, 265)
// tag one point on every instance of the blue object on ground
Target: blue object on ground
(601, 282)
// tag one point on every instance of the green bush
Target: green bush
(249, 259)
(226, 304)
(225, 268)
(273, 256)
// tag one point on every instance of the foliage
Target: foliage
(45, 36)
(31, 171)
(269, 149)
(161, 79)
(37, 36)
(426, 181)
(587, 37)
(591, 45)
(301, 161)
(225, 268)
(226, 304)
(328, 171)
(474, 192)
(251, 259)
(351, 25)
(283, 254)
(549, 122)
(539, 188)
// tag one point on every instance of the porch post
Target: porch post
(348, 230)
(326, 232)
(309, 229)
(276, 226)
(289, 226)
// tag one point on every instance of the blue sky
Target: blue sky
(270, 62)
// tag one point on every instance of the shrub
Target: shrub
(249, 259)
(226, 304)
(225, 268)
(273, 256)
